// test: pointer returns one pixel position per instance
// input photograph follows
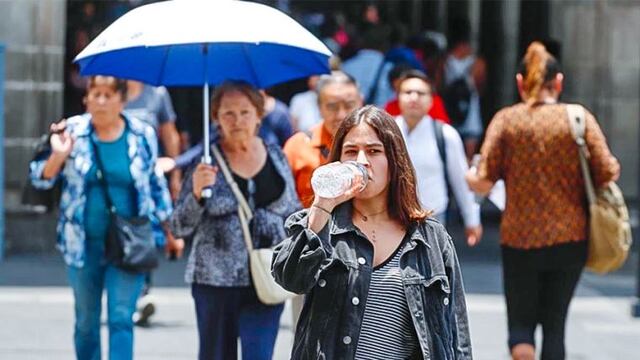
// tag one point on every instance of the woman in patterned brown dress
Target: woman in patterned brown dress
(544, 226)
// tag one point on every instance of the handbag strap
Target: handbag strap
(244, 210)
(100, 174)
(577, 124)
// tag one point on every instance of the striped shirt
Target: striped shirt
(387, 329)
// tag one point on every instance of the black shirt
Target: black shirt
(262, 189)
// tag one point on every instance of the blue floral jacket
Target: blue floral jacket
(153, 198)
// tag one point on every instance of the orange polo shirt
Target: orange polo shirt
(305, 154)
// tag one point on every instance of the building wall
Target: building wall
(34, 34)
(601, 61)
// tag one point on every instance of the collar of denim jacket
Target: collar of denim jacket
(342, 222)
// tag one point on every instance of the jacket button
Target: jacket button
(346, 340)
(446, 301)
(322, 282)
(361, 261)
(355, 301)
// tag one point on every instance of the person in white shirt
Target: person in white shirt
(303, 107)
(420, 134)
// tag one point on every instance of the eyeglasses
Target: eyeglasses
(335, 107)
(416, 92)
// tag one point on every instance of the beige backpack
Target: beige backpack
(609, 228)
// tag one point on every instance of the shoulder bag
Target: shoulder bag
(609, 228)
(130, 244)
(269, 292)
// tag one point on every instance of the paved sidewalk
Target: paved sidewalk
(36, 310)
(37, 320)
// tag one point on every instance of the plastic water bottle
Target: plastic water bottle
(332, 180)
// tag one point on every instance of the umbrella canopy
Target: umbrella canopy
(197, 42)
(204, 42)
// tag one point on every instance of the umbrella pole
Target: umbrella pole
(206, 158)
(205, 123)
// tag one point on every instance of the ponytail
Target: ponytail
(538, 68)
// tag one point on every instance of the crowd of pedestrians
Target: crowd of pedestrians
(376, 272)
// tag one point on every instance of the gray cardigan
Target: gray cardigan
(218, 254)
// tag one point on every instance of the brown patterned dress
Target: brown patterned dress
(533, 150)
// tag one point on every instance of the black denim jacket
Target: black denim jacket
(333, 268)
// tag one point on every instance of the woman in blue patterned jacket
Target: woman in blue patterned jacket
(218, 268)
(127, 150)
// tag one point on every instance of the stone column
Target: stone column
(510, 26)
(34, 34)
(499, 45)
(474, 19)
(601, 61)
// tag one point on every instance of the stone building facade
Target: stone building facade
(33, 32)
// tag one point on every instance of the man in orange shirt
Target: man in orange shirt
(338, 95)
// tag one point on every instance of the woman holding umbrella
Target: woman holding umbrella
(226, 303)
(125, 150)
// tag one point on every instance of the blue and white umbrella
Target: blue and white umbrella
(205, 42)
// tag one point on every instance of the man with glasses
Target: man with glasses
(437, 153)
(338, 95)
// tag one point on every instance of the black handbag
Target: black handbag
(130, 244)
(47, 198)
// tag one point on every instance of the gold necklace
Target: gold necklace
(366, 217)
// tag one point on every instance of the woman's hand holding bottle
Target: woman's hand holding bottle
(334, 184)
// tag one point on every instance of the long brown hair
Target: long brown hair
(403, 202)
(538, 68)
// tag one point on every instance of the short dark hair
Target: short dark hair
(118, 85)
(414, 74)
(459, 31)
(403, 202)
(242, 87)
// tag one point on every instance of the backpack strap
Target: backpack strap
(244, 210)
(373, 91)
(442, 149)
(577, 124)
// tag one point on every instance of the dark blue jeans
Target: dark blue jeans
(123, 288)
(223, 314)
